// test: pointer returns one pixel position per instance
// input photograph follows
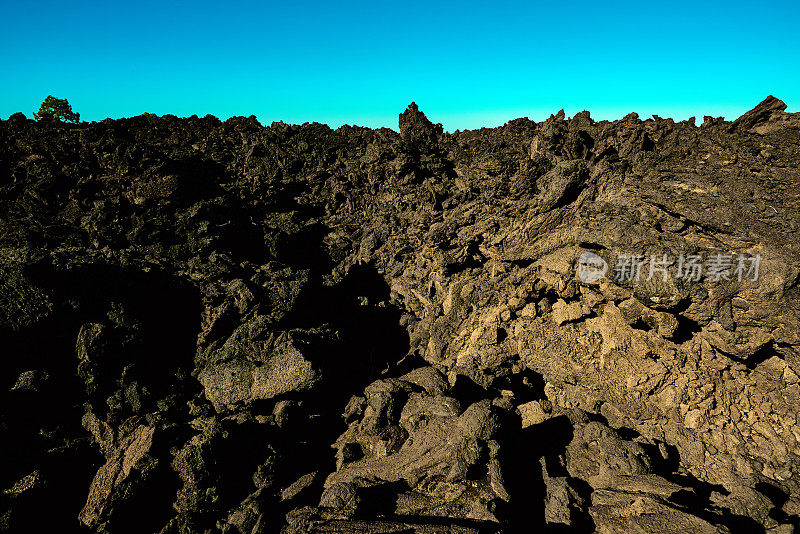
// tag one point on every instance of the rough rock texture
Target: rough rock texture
(223, 327)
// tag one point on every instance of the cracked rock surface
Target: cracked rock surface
(216, 326)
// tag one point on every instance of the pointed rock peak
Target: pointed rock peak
(415, 126)
(412, 117)
(557, 117)
(581, 120)
(763, 112)
(771, 103)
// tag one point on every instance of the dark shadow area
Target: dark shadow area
(527, 385)
(697, 501)
(591, 246)
(301, 249)
(686, 330)
(645, 324)
(523, 473)
(152, 319)
(467, 391)
(660, 464)
(502, 335)
(761, 355)
(41, 431)
(351, 332)
(380, 500)
(753, 360)
(237, 457)
(778, 497)
(239, 234)
(280, 196)
(628, 434)
(218, 224)
(197, 177)
(370, 338)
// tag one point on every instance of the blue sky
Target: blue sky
(467, 64)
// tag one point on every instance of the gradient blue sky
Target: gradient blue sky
(467, 64)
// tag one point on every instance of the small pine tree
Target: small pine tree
(56, 109)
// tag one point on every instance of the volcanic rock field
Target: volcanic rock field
(212, 326)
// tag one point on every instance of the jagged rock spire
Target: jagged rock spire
(415, 128)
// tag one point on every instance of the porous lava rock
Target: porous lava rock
(212, 326)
